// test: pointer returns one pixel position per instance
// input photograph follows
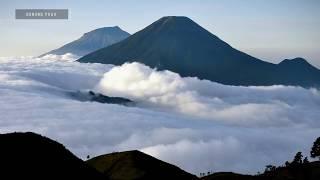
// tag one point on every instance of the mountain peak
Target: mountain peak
(92, 41)
(117, 28)
(35, 156)
(110, 29)
(175, 18)
(176, 21)
(298, 61)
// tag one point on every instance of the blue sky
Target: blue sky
(271, 30)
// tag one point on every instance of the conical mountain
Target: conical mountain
(92, 41)
(180, 45)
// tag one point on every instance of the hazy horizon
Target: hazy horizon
(271, 31)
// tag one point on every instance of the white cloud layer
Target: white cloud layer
(195, 124)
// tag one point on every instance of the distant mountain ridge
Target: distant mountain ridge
(92, 41)
(178, 44)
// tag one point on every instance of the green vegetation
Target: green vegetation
(315, 150)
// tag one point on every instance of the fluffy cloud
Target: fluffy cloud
(195, 124)
(245, 106)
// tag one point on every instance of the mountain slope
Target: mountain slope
(31, 156)
(136, 165)
(92, 41)
(180, 45)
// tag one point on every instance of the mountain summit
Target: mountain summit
(32, 156)
(180, 45)
(92, 41)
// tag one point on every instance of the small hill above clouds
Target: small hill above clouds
(32, 156)
(97, 97)
(178, 44)
(92, 41)
(136, 165)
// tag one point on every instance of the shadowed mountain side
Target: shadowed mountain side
(180, 45)
(31, 156)
(92, 41)
(136, 165)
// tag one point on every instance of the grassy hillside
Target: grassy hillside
(136, 165)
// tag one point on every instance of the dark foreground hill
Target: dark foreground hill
(137, 165)
(31, 156)
(309, 171)
(92, 41)
(180, 45)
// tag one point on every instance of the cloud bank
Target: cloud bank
(243, 106)
(196, 124)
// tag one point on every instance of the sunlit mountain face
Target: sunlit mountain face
(92, 41)
(198, 125)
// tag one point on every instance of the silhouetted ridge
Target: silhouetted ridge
(31, 156)
(309, 171)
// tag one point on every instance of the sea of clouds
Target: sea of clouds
(196, 124)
